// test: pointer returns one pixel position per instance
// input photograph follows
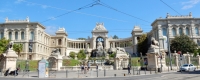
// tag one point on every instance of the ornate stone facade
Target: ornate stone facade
(37, 43)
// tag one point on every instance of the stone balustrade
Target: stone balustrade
(63, 68)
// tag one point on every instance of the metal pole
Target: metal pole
(97, 73)
(90, 73)
(66, 73)
(168, 40)
(15, 74)
(104, 72)
(1, 72)
(145, 71)
(133, 71)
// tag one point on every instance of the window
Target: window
(10, 35)
(196, 31)
(187, 31)
(164, 30)
(59, 42)
(1, 35)
(173, 31)
(198, 42)
(180, 31)
(32, 35)
(16, 35)
(22, 35)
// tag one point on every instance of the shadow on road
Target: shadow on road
(189, 72)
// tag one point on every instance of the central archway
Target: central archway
(101, 40)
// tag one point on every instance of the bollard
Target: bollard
(78, 73)
(104, 72)
(150, 70)
(115, 75)
(124, 74)
(139, 71)
(97, 73)
(66, 73)
(133, 71)
(90, 73)
(15, 74)
(155, 71)
(145, 71)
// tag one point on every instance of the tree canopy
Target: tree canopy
(3, 45)
(183, 43)
(18, 48)
(115, 37)
(142, 44)
(81, 55)
(72, 54)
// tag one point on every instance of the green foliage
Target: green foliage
(134, 61)
(3, 45)
(142, 44)
(115, 37)
(33, 64)
(112, 55)
(81, 38)
(70, 62)
(72, 54)
(183, 43)
(196, 52)
(81, 55)
(17, 48)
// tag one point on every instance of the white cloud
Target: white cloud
(51, 30)
(189, 4)
(18, 1)
(44, 6)
(5, 10)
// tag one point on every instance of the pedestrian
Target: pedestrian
(82, 68)
(97, 67)
(88, 64)
(129, 68)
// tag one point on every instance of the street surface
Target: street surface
(173, 75)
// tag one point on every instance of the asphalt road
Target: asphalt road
(161, 76)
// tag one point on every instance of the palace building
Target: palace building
(37, 43)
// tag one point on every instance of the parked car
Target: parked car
(188, 67)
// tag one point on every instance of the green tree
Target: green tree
(115, 37)
(72, 54)
(81, 38)
(142, 44)
(18, 48)
(3, 45)
(81, 55)
(183, 43)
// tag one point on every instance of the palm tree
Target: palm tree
(17, 48)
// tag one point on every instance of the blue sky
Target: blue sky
(80, 23)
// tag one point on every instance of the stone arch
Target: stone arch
(101, 39)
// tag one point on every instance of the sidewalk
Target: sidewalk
(91, 74)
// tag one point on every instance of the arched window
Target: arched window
(1, 35)
(180, 31)
(196, 31)
(164, 31)
(59, 42)
(32, 35)
(10, 35)
(22, 35)
(187, 31)
(16, 35)
(173, 31)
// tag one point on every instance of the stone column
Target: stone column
(19, 35)
(188, 58)
(176, 60)
(5, 33)
(198, 60)
(177, 31)
(184, 30)
(13, 35)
